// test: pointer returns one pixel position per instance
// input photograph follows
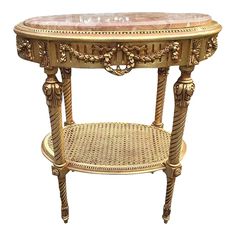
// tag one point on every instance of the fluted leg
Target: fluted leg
(183, 90)
(52, 89)
(66, 79)
(161, 88)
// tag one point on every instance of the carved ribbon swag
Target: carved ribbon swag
(132, 54)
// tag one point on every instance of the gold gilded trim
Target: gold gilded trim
(195, 52)
(24, 48)
(132, 54)
(121, 36)
(113, 166)
(211, 46)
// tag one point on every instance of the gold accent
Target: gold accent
(119, 36)
(175, 51)
(161, 88)
(43, 54)
(111, 55)
(195, 52)
(168, 199)
(63, 48)
(61, 174)
(116, 148)
(118, 71)
(24, 48)
(172, 170)
(132, 54)
(53, 92)
(183, 90)
(64, 202)
(52, 89)
(113, 148)
(211, 47)
(66, 79)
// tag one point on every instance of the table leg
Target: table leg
(52, 89)
(183, 90)
(61, 174)
(161, 88)
(66, 79)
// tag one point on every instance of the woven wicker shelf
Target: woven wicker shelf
(115, 148)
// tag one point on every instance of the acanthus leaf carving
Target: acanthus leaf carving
(184, 87)
(183, 93)
(53, 93)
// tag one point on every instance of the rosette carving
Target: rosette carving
(24, 48)
(211, 46)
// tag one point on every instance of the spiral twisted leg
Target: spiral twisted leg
(52, 89)
(183, 91)
(161, 88)
(64, 202)
(66, 79)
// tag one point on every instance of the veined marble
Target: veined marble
(119, 21)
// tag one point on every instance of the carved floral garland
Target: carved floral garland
(131, 53)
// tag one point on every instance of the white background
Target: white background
(204, 199)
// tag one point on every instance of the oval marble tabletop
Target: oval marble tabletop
(119, 26)
(119, 21)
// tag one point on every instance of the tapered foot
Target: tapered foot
(64, 203)
(65, 214)
(169, 194)
(66, 221)
(166, 215)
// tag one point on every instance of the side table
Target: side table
(118, 43)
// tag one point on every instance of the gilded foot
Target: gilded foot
(166, 215)
(65, 214)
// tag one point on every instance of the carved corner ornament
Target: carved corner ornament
(175, 51)
(195, 52)
(211, 46)
(172, 171)
(104, 54)
(24, 48)
(60, 171)
(43, 54)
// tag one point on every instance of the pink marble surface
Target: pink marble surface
(119, 21)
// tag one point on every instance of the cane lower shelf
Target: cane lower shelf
(113, 148)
